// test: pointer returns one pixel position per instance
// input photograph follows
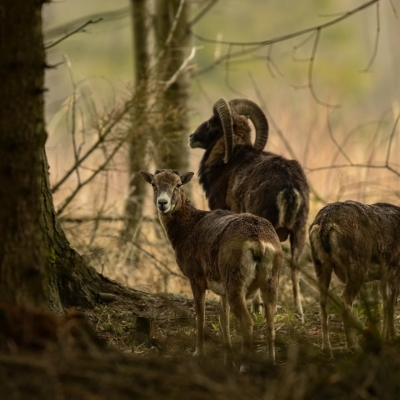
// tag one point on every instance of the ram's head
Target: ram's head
(223, 122)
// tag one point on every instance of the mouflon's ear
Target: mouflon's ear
(186, 178)
(147, 176)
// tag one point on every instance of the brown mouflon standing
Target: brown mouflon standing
(234, 255)
(359, 243)
(239, 176)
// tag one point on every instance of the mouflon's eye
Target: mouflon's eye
(178, 185)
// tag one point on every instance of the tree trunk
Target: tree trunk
(173, 133)
(138, 136)
(71, 280)
(37, 265)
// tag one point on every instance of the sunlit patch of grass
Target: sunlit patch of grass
(287, 318)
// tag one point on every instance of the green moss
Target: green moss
(53, 255)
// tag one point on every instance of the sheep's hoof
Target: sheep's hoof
(300, 317)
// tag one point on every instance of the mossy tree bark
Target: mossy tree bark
(37, 265)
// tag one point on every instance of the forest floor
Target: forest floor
(146, 346)
(167, 334)
(156, 360)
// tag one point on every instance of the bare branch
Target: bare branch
(227, 82)
(73, 116)
(252, 47)
(102, 136)
(394, 9)
(80, 220)
(203, 12)
(223, 58)
(100, 211)
(80, 185)
(171, 33)
(336, 143)
(107, 16)
(281, 135)
(169, 270)
(270, 62)
(391, 140)
(310, 74)
(304, 42)
(360, 165)
(389, 168)
(180, 70)
(174, 24)
(77, 30)
(294, 34)
(375, 51)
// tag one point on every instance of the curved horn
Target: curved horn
(257, 116)
(221, 107)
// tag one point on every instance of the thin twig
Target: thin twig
(77, 30)
(73, 116)
(394, 9)
(376, 44)
(310, 74)
(282, 137)
(391, 140)
(336, 143)
(293, 34)
(223, 58)
(160, 262)
(100, 212)
(170, 34)
(103, 218)
(255, 46)
(174, 24)
(270, 62)
(227, 75)
(179, 71)
(203, 12)
(100, 169)
(388, 167)
(102, 136)
(107, 16)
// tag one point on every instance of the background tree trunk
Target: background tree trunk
(172, 140)
(139, 135)
(37, 265)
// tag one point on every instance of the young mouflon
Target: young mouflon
(234, 255)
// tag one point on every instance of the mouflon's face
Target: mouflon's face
(206, 134)
(167, 188)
